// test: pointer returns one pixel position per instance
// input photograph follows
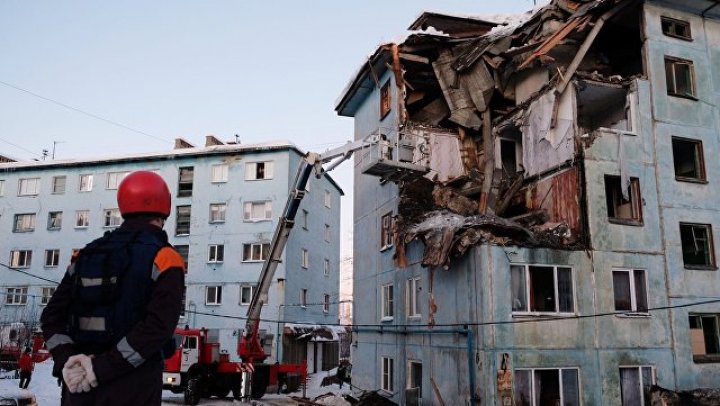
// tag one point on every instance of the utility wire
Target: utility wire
(77, 110)
(19, 147)
(28, 273)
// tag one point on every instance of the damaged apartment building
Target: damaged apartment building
(535, 223)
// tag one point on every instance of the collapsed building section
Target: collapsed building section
(493, 120)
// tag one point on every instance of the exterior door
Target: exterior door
(189, 353)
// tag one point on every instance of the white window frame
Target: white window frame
(387, 374)
(251, 170)
(326, 303)
(24, 223)
(46, 294)
(219, 173)
(387, 302)
(82, 218)
(326, 233)
(56, 190)
(386, 231)
(251, 288)
(555, 284)
(216, 253)
(114, 179)
(305, 258)
(28, 186)
(248, 210)
(305, 215)
(52, 258)
(213, 295)
(112, 218)
(58, 216)
(639, 369)
(2, 187)
(16, 295)
(186, 217)
(86, 182)
(327, 200)
(633, 290)
(264, 251)
(560, 377)
(326, 267)
(412, 304)
(303, 298)
(218, 212)
(21, 258)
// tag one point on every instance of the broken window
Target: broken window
(386, 233)
(688, 159)
(675, 28)
(385, 100)
(604, 105)
(185, 181)
(630, 289)
(705, 337)
(619, 208)
(259, 170)
(534, 387)
(54, 220)
(387, 307)
(182, 220)
(635, 384)
(680, 77)
(542, 289)
(697, 245)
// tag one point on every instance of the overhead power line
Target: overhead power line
(77, 110)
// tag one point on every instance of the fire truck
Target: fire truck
(198, 368)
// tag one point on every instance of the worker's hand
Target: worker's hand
(90, 380)
(78, 374)
(73, 376)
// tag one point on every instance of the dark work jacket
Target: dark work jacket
(129, 370)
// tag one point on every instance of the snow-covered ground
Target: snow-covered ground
(47, 392)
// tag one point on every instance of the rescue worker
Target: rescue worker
(25, 363)
(118, 304)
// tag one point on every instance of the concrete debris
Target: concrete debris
(696, 397)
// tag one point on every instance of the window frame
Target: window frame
(699, 163)
(639, 369)
(327, 199)
(635, 201)
(674, 22)
(46, 292)
(252, 294)
(185, 181)
(219, 173)
(55, 189)
(112, 218)
(252, 170)
(51, 222)
(387, 302)
(216, 253)
(385, 100)
(248, 211)
(412, 304)
(326, 267)
(183, 220)
(386, 231)
(410, 376)
(705, 357)
(634, 293)
(85, 183)
(215, 210)
(327, 233)
(25, 189)
(82, 219)
(264, 251)
(304, 258)
(21, 258)
(326, 303)
(527, 291)
(216, 296)
(673, 62)
(29, 218)
(52, 258)
(559, 370)
(16, 295)
(303, 298)
(2, 187)
(113, 179)
(304, 219)
(387, 374)
(711, 265)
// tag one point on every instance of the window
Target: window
(246, 294)
(304, 219)
(542, 289)
(414, 376)
(697, 245)
(24, 223)
(216, 252)
(386, 231)
(213, 295)
(326, 234)
(28, 187)
(52, 258)
(54, 220)
(303, 297)
(305, 260)
(412, 305)
(385, 100)
(328, 199)
(326, 303)
(688, 159)
(257, 211)
(510, 154)
(182, 220)
(58, 184)
(47, 293)
(635, 383)
(185, 181)
(535, 387)
(387, 308)
(114, 179)
(82, 218)
(705, 337)
(21, 258)
(326, 267)
(623, 206)
(259, 170)
(112, 217)
(630, 290)
(680, 77)
(386, 374)
(86, 182)
(219, 173)
(16, 296)
(184, 251)
(255, 252)
(217, 212)
(675, 28)
(2, 188)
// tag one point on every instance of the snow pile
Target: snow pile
(42, 384)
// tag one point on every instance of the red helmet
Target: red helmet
(143, 192)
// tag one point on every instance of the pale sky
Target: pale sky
(265, 70)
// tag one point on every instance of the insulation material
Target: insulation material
(457, 97)
(439, 150)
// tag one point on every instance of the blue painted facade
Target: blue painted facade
(231, 273)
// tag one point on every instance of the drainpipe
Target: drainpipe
(470, 345)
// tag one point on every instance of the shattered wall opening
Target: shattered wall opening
(603, 105)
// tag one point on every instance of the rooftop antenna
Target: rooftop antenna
(44, 154)
(53, 152)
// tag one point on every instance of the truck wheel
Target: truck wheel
(192, 392)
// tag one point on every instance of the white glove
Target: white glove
(78, 374)
(73, 376)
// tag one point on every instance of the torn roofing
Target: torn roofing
(455, 26)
